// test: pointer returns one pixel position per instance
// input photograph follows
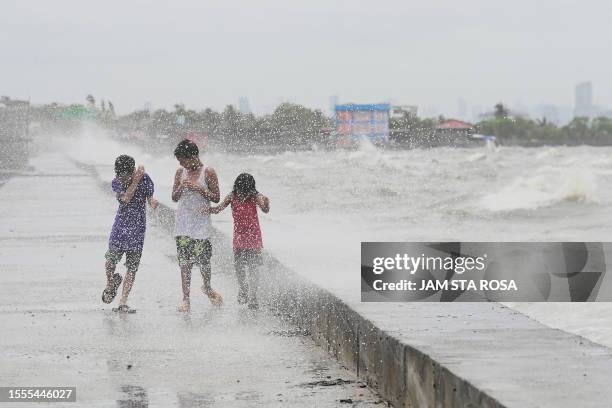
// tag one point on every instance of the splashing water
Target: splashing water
(325, 203)
(547, 187)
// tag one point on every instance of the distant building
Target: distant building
(565, 114)
(355, 121)
(243, 105)
(455, 125)
(398, 111)
(549, 112)
(583, 100)
(453, 132)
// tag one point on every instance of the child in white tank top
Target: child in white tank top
(194, 185)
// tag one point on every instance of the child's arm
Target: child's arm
(212, 182)
(126, 197)
(213, 185)
(153, 202)
(217, 209)
(177, 189)
(263, 202)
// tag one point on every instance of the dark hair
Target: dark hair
(186, 149)
(244, 186)
(124, 164)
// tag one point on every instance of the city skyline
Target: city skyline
(558, 114)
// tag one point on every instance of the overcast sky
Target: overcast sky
(208, 54)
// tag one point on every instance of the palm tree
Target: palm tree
(501, 112)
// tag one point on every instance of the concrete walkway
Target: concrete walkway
(54, 223)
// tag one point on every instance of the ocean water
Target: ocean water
(325, 203)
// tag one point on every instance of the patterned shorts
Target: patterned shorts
(193, 251)
(132, 258)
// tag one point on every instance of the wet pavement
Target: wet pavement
(424, 354)
(56, 331)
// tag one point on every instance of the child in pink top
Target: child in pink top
(247, 242)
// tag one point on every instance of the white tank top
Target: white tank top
(189, 220)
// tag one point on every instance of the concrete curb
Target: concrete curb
(403, 375)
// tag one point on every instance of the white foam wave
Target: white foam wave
(548, 186)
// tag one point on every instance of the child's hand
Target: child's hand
(138, 173)
(153, 203)
(190, 185)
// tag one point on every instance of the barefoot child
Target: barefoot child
(247, 235)
(195, 185)
(133, 187)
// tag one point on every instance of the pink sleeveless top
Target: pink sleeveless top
(247, 234)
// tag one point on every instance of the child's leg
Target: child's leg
(132, 262)
(214, 296)
(253, 284)
(186, 281)
(127, 286)
(203, 253)
(205, 271)
(240, 267)
(255, 263)
(184, 247)
(110, 270)
(112, 257)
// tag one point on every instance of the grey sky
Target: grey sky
(208, 54)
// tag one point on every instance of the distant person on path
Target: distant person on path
(247, 242)
(195, 185)
(133, 188)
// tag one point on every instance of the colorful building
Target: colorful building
(453, 132)
(355, 121)
(455, 126)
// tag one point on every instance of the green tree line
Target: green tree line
(510, 129)
(293, 126)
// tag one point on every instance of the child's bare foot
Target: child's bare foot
(184, 307)
(214, 296)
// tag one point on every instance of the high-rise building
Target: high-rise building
(243, 105)
(583, 101)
